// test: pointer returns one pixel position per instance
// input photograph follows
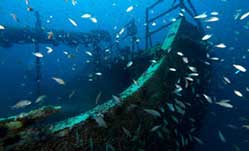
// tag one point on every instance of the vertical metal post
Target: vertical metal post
(146, 28)
(37, 49)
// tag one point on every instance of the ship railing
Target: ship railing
(182, 5)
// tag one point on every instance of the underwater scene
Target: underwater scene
(124, 75)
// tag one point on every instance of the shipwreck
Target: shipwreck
(163, 109)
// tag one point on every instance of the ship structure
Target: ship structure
(162, 109)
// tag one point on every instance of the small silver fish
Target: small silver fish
(38, 54)
(245, 126)
(94, 20)
(221, 45)
(221, 136)
(72, 22)
(86, 15)
(212, 19)
(153, 112)
(180, 54)
(208, 98)
(206, 37)
(100, 121)
(89, 53)
(180, 110)
(59, 80)
(239, 67)
(127, 132)
(238, 93)
(121, 31)
(98, 73)
(115, 98)
(185, 60)
(198, 140)
(50, 35)
(129, 9)
(214, 58)
(153, 61)
(193, 69)
(244, 16)
(14, 17)
(63, 133)
(71, 94)
(225, 104)
(214, 13)
(129, 64)
(74, 2)
(49, 49)
(189, 79)
(201, 16)
(175, 119)
(40, 98)
(193, 74)
(178, 89)
(232, 126)
(135, 82)
(181, 104)
(155, 128)
(2, 27)
(98, 98)
(27, 2)
(227, 80)
(21, 104)
(172, 69)
(171, 107)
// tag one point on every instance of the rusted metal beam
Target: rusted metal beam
(12, 35)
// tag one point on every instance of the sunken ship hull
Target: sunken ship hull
(162, 110)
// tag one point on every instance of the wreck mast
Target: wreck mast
(38, 29)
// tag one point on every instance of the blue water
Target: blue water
(17, 68)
